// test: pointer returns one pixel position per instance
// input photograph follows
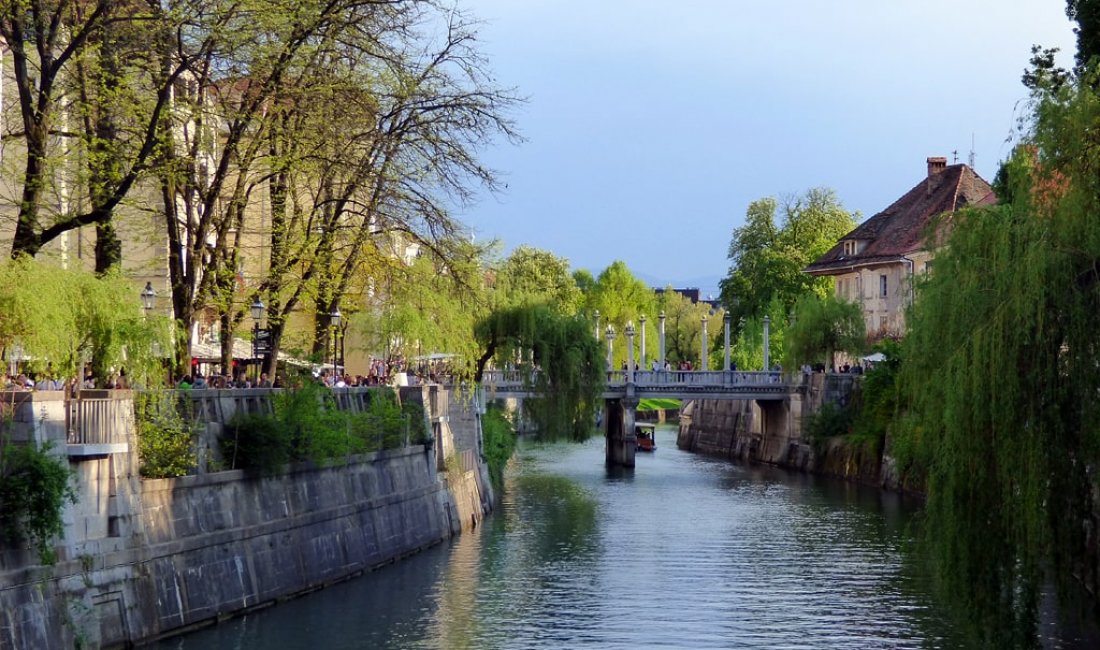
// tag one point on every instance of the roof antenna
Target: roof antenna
(954, 156)
(972, 150)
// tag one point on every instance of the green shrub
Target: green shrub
(307, 425)
(498, 437)
(34, 486)
(419, 431)
(258, 444)
(832, 420)
(166, 439)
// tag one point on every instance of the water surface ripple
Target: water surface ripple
(683, 552)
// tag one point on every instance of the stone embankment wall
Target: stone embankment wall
(145, 558)
(774, 432)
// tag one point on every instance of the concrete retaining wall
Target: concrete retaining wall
(773, 433)
(145, 558)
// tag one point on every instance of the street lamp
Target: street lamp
(726, 324)
(257, 310)
(148, 298)
(334, 320)
(661, 338)
(704, 343)
(597, 324)
(630, 352)
(767, 326)
(610, 334)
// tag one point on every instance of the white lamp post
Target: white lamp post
(630, 352)
(703, 365)
(726, 324)
(661, 338)
(767, 325)
(610, 334)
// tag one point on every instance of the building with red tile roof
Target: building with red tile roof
(875, 263)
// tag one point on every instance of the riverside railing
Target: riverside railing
(98, 421)
(648, 378)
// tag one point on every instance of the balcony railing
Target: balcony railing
(97, 426)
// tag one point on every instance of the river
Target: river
(683, 552)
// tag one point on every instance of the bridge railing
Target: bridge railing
(710, 378)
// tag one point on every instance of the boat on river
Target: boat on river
(646, 435)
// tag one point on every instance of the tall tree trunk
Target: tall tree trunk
(108, 247)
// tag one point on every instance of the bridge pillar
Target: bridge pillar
(620, 439)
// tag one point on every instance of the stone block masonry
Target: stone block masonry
(146, 558)
(774, 433)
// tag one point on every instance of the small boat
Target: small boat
(646, 435)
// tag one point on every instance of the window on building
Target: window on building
(882, 286)
(928, 267)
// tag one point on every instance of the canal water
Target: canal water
(682, 552)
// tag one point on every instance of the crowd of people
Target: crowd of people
(380, 372)
(48, 381)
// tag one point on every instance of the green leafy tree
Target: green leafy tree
(1000, 380)
(499, 436)
(530, 275)
(166, 439)
(766, 260)
(1086, 13)
(428, 306)
(823, 327)
(622, 298)
(571, 366)
(35, 485)
(63, 318)
(684, 331)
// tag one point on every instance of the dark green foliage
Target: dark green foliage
(34, 487)
(258, 444)
(823, 327)
(1043, 74)
(1086, 13)
(1001, 376)
(569, 359)
(418, 430)
(499, 442)
(166, 439)
(832, 420)
(876, 401)
(316, 429)
(766, 259)
(307, 425)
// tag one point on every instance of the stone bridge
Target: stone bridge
(772, 391)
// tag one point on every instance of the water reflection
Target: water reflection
(683, 552)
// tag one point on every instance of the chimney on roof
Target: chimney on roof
(936, 164)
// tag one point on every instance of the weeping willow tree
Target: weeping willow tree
(1002, 378)
(61, 319)
(570, 366)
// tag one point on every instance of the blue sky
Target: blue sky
(652, 125)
